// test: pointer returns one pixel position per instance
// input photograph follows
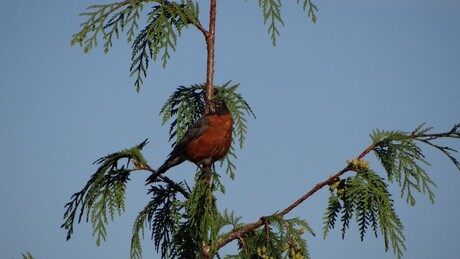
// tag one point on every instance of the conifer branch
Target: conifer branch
(401, 157)
(108, 20)
(159, 36)
(104, 193)
(357, 165)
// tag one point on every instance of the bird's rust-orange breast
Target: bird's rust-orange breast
(214, 143)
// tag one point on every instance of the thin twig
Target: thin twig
(244, 245)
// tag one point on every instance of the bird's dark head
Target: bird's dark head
(218, 106)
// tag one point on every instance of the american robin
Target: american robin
(205, 142)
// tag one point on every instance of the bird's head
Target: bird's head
(218, 106)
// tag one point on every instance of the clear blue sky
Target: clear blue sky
(389, 64)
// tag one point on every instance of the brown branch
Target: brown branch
(198, 25)
(210, 37)
(236, 233)
(243, 244)
(314, 190)
(328, 181)
(239, 232)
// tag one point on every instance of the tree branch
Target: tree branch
(237, 233)
(210, 36)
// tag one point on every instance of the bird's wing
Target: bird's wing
(192, 133)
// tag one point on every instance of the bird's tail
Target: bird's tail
(163, 168)
(153, 177)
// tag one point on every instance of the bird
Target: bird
(205, 142)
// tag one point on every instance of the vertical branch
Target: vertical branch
(210, 37)
(206, 176)
(210, 44)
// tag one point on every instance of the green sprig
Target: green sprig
(312, 9)
(366, 198)
(104, 194)
(107, 20)
(401, 157)
(271, 10)
(164, 25)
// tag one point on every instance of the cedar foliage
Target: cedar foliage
(184, 220)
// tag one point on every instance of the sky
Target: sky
(317, 95)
